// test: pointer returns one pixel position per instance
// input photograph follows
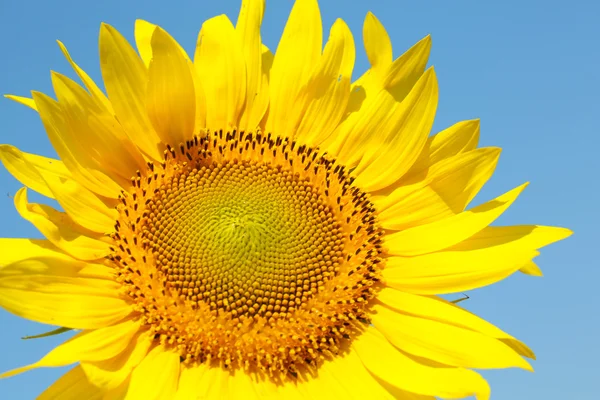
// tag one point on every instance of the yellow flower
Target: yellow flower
(250, 225)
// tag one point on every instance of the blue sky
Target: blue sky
(529, 71)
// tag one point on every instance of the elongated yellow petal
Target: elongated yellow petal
(378, 45)
(455, 271)
(393, 150)
(393, 367)
(111, 373)
(297, 55)
(351, 374)
(214, 383)
(449, 231)
(523, 236)
(326, 95)
(29, 169)
(26, 101)
(60, 229)
(88, 175)
(81, 205)
(445, 190)
(74, 385)
(440, 310)
(156, 377)
(89, 83)
(458, 138)
(126, 78)
(189, 382)
(93, 345)
(59, 292)
(143, 39)
(96, 134)
(444, 343)
(379, 52)
(242, 386)
(407, 69)
(220, 65)
(19, 249)
(349, 142)
(532, 269)
(247, 30)
(171, 99)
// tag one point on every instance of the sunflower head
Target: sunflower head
(253, 224)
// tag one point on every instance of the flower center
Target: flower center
(248, 251)
(247, 238)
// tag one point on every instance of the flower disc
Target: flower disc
(240, 235)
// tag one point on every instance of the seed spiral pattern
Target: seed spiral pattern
(245, 238)
(245, 250)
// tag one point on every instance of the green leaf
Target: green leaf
(56, 331)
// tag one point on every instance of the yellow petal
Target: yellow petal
(95, 134)
(444, 343)
(89, 83)
(30, 169)
(377, 44)
(459, 138)
(532, 269)
(393, 367)
(19, 249)
(214, 383)
(143, 39)
(220, 65)
(26, 101)
(455, 271)
(393, 149)
(445, 190)
(61, 230)
(364, 109)
(52, 116)
(351, 374)
(189, 381)
(241, 386)
(522, 236)
(62, 234)
(257, 89)
(440, 310)
(348, 143)
(297, 54)
(171, 99)
(55, 291)
(73, 385)
(81, 205)
(447, 232)
(111, 373)
(326, 95)
(156, 377)
(125, 78)
(93, 345)
(118, 393)
(407, 69)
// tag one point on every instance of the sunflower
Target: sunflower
(250, 225)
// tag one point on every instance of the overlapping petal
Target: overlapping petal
(62, 292)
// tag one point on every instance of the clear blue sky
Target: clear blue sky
(529, 70)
